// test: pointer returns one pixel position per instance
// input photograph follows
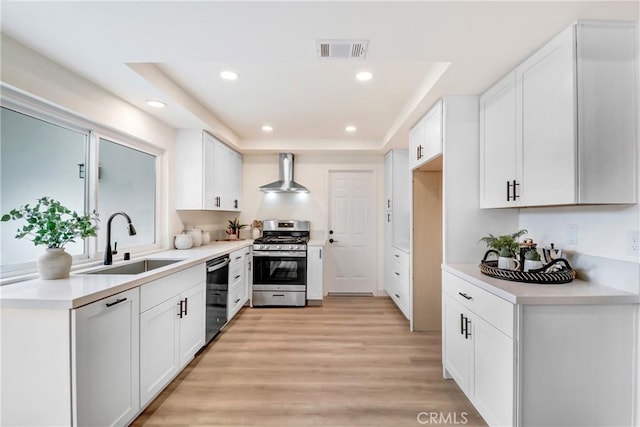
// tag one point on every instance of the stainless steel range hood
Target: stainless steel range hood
(285, 182)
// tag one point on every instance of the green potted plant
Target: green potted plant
(50, 224)
(507, 246)
(233, 230)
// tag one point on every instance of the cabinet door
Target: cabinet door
(159, 359)
(432, 134)
(498, 144)
(192, 323)
(546, 88)
(388, 181)
(314, 273)
(388, 228)
(455, 343)
(493, 374)
(401, 192)
(248, 276)
(416, 144)
(211, 201)
(235, 177)
(106, 350)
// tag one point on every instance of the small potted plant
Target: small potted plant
(50, 224)
(532, 260)
(507, 246)
(233, 230)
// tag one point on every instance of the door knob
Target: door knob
(333, 241)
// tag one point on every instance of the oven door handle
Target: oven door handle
(218, 266)
(280, 254)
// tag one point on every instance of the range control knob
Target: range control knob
(291, 247)
(278, 247)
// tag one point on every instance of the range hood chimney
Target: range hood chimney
(285, 182)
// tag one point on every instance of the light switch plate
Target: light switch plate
(572, 234)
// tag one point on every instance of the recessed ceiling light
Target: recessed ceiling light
(364, 76)
(350, 128)
(267, 128)
(155, 103)
(228, 75)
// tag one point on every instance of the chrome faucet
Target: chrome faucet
(132, 232)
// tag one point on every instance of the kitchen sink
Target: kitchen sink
(135, 267)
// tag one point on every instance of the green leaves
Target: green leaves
(506, 244)
(51, 224)
(235, 225)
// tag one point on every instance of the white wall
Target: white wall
(312, 171)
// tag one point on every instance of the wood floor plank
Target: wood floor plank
(350, 362)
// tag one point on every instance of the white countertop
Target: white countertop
(80, 289)
(316, 242)
(575, 292)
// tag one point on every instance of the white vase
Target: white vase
(54, 263)
(196, 235)
(255, 233)
(183, 241)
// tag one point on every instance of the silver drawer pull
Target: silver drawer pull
(465, 296)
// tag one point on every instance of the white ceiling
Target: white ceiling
(174, 51)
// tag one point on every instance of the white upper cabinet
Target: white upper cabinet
(208, 173)
(560, 129)
(497, 143)
(425, 138)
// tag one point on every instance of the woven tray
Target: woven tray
(542, 276)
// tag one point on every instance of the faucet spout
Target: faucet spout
(108, 255)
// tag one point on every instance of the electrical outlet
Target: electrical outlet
(633, 243)
(572, 234)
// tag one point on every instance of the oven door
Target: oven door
(280, 268)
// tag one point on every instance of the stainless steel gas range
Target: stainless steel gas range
(280, 264)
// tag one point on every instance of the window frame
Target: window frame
(40, 109)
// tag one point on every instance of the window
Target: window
(38, 159)
(126, 182)
(47, 152)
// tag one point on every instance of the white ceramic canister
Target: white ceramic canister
(196, 235)
(183, 241)
(206, 238)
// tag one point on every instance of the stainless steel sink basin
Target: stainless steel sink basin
(135, 267)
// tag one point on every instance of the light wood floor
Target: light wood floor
(351, 362)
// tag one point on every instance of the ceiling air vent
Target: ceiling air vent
(330, 49)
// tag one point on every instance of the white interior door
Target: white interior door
(351, 252)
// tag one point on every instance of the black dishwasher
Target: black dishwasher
(217, 288)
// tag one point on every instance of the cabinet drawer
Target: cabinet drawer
(399, 256)
(160, 290)
(400, 274)
(493, 309)
(235, 301)
(235, 275)
(236, 257)
(397, 286)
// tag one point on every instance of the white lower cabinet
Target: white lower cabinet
(481, 359)
(248, 275)
(564, 364)
(315, 289)
(237, 294)
(105, 344)
(172, 327)
(397, 282)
